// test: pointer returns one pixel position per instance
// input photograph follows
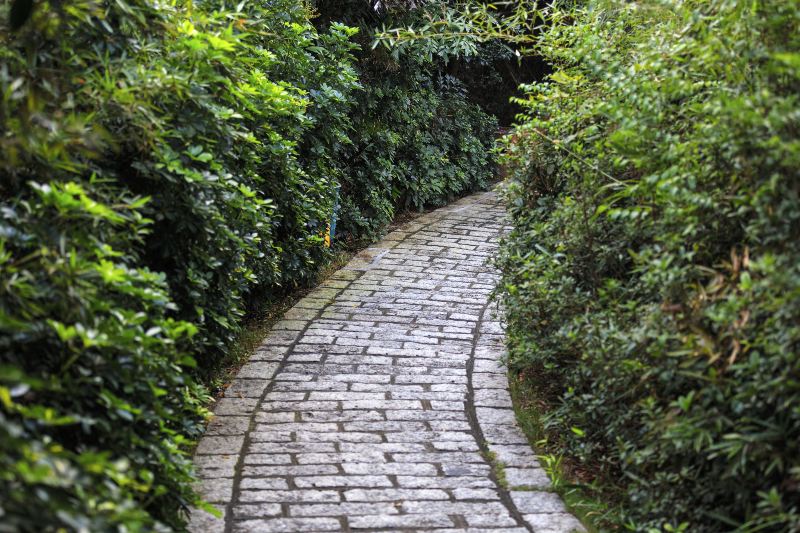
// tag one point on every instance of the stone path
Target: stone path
(378, 403)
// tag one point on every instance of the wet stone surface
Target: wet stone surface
(377, 401)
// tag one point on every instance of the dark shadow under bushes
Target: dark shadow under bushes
(161, 165)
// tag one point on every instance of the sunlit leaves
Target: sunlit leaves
(144, 135)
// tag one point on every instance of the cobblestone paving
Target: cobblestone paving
(378, 402)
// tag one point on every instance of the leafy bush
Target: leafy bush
(90, 363)
(417, 139)
(163, 167)
(152, 177)
(652, 280)
(415, 146)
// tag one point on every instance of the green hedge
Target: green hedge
(418, 139)
(414, 146)
(164, 166)
(95, 405)
(652, 280)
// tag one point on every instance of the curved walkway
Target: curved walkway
(378, 403)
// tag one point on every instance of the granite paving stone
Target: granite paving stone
(380, 401)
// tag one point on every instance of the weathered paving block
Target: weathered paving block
(463, 493)
(267, 459)
(204, 521)
(211, 466)
(439, 457)
(425, 415)
(290, 496)
(372, 404)
(258, 510)
(429, 436)
(416, 469)
(553, 523)
(385, 447)
(454, 508)
(527, 477)
(501, 434)
(449, 425)
(343, 509)
(281, 525)
(455, 446)
(289, 470)
(256, 370)
(384, 426)
(492, 398)
(342, 416)
(291, 447)
(247, 388)
(489, 381)
(340, 458)
(477, 519)
(217, 490)
(235, 406)
(399, 522)
(462, 469)
(519, 455)
(265, 483)
(216, 445)
(529, 502)
(393, 495)
(282, 396)
(490, 415)
(479, 530)
(342, 481)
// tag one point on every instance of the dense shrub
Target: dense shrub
(652, 280)
(162, 165)
(417, 139)
(414, 146)
(91, 366)
(151, 177)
